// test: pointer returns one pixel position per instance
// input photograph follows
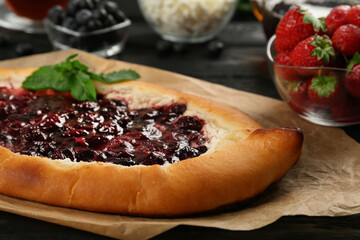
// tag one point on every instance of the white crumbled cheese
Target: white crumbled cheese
(187, 18)
(213, 132)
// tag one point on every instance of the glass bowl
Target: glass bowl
(269, 12)
(187, 21)
(104, 42)
(293, 88)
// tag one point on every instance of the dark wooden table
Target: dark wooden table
(242, 65)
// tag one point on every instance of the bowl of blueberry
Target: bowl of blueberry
(95, 26)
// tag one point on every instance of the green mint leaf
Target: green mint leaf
(95, 76)
(323, 85)
(355, 60)
(67, 65)
(46, 77)
(323, 48)
(79, 66)
(118, 76)
(71, 57)
(82, 88)
(72, 75)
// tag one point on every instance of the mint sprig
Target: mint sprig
(74, 77)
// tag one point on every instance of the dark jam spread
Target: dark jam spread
(54, 125)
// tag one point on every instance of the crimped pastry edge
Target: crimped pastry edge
(243, 164)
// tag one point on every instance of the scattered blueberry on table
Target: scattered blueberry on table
(215, 47)
(24, 49)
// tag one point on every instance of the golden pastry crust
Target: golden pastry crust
(242, 161)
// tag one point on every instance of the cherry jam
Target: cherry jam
(54, 125)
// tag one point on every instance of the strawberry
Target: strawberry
(336, 18)
(315, 51)
(352, 80)
(324, 91)
(346, 110)
(296, 25)
(298, 93)
(283, 69)
(353, 15)
(299, 101)
(346, 39)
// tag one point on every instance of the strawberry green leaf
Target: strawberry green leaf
(323, 48)
(355, 60)
(294, 86)
(323, 85)
(318, 23)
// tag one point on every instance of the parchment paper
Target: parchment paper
(325, 182)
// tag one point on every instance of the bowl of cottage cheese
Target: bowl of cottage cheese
(188, 21)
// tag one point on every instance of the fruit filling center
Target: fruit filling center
(54, 125)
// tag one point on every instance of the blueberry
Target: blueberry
(215, 47)
(97, 3)
(69, 23)
(111, 7)
(176, 108)
(73, 6)
(89, 4)
(179, 47)
(109, 21)
(119, 16)
(82, 29)
(55, 14)
(99, 14)
(93, 25)
(189, 122)
(4, 41)
(87, 155)
(24, 49)
(163, 47)
(83, 16)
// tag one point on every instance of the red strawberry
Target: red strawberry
(315, 51)
(352, 80)
(296, 25)
(283, 69)
(353, 15)
(346, 39)
(299, 93)
(347, 110)
(324, 91)
(336, 18)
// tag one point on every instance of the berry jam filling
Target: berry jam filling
(54, 125)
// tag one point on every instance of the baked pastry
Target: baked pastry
(141, 149)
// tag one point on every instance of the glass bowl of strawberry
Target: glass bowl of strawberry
(315, 64)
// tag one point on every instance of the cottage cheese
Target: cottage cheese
(187, 18)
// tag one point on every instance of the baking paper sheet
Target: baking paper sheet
(325, 181)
